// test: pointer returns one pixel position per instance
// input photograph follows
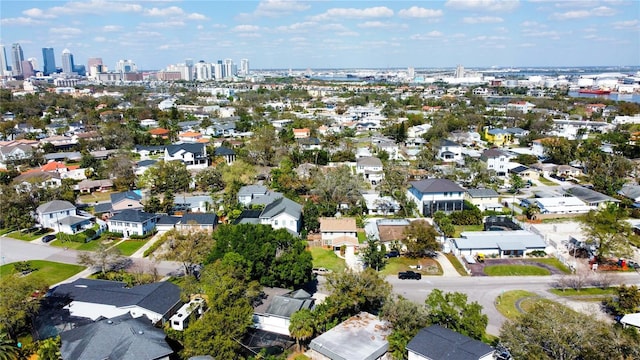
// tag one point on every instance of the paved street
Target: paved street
(485, 290)
(12, 250)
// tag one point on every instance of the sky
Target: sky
(282, 34)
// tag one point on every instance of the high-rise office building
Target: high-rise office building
(227, 70)
(459, 72)
(203, 71)
(17, 58)
(67, 62)
(218, 70)
(244, 67)
(27, 69)
(126, 66)
(48, 61)
(3, 60)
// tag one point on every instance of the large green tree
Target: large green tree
(553, 331)
(608, 231)
(274, 257)
(16, 304)
(338, 186)
(419, 237)
(230, 292)
(406, 318)
(190, 248)
(171, 176)
(454, 312)
(373, 254)
(301, 326)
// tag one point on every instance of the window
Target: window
(275, 222)
(50, 216)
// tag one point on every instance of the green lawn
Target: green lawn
(461, 228)
(326, 258)
(456, 264)
(401, 263)
(28, 236)
(515, 270)
(546, 181)
(89, 246)
(48, 271)
(95, 197)
(506, 302)
(362, 237)
(128, 247)
(555, 263)
(5, 231)
(584, 291)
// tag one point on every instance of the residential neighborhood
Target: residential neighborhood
(311, 219)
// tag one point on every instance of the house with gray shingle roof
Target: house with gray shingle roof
(449, 151)
(281, 213)
(484, 199)
(193, 155)
(122, 337)
(93, 299)
(61, 216)
(274, 312)
(433, 195)
(370, 167)
(132, 222)
(437, 342)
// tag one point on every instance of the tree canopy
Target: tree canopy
(553, 331)
(607, 230)
(420, 236)
(274, 257)
(454, 312)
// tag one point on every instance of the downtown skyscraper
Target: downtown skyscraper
(48, 61)
(3, 60)
(17, 57)
(67, 62)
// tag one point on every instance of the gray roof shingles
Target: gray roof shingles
(436, 342)
(122, 337)
(55, 206)
(132, 216)
(436, 186)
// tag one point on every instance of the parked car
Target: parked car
(48, 238)
(321, 271)
(392, 254)
(409, 275)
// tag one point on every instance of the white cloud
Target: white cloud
(38, 13)
(484, 5)
(334, 27)
(581, 14)
(98, 7)
(297, 27)
(148, 34)
(526, 45)
(111, 28)
(19, 21)
(428, 36)
(196, 16)
(482, 20)
(348, 33)
(100, 39)
(419, 12)
(199, 27)
(273, 8)
(162, 24)
(249, 35)
(66, 31)
(554, 35)
(170, 11)
(245, 28)
(628, 24)
(376, 25)
(489, 38)
(351, 13)
(531, 24)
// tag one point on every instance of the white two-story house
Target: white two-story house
(334, 231)
(496, 160)
(433, 195)
(449, 151)
(192, 155)
(283, 214)
(132, 222)
(370, 168)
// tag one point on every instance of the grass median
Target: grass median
(515, 270)
(48, 271)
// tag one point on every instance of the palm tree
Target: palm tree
(8, 349)
(301, 326)
(531, 211)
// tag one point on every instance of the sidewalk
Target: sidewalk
(447, 269)
(140, 252)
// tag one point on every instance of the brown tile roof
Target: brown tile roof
(391, 232)
(338, 224)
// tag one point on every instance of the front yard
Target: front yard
(128, 247)
(326, 258)
(28, 235)
(401, 263)
(48, 271)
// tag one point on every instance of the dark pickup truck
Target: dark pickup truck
(409, 275)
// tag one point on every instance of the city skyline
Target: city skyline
(330, 34)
